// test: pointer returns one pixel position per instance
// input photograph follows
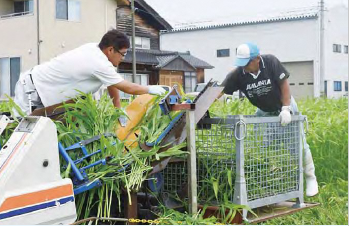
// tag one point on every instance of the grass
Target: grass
(128, 166)
(328, 140)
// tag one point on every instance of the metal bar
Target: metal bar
(192, 180)
(240, 193)
(281, 209)
(300, 199)
(131, 210)
(249, 119)
(100, 218)
(70, 161)
(179, 107)
(16, 14)
(273, 199)
(134, 61)
(102, 161)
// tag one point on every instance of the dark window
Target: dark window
(62, 9)
(310, 83)
(337, 86)
(9, 74)
(337, 48)
(346, 49)
(23, 6)
(223, 52)
(346, 86)
(68, 10)
(189, 81)
(292, 84)
(301, 83)
(15, 70)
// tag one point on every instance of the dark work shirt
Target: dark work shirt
(264, 91)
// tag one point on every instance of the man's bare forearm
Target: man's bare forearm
(115, 95)
(285, 93)
(131, 88)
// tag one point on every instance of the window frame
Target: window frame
(142, 44)
(190, 75)
(68, 12)
(337, 48)
(337, 86)
(28, 7)
(11, 84)
(220, 52)
(128, 77)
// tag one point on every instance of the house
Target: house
(293, 37)
(155, 65)
(34, 31)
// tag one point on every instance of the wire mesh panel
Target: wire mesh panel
(244, 159)
(271, 159)
(175, 177)
(215, 149)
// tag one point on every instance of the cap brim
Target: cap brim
(241, 62)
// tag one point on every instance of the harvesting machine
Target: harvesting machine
(32, 190)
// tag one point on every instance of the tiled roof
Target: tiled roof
(196, 62)
(161, 58)
(164, 60)
(285, 16)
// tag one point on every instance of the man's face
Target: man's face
(116, 56)
(253, 65)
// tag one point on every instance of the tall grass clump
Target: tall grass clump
(127, 168)
(328, 140)
(8, 106)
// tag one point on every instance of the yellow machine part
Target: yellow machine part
(135, 111)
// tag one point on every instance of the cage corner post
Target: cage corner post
(301, 136)
(240, 191)
(192, 180)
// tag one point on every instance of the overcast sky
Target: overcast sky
(181, 12)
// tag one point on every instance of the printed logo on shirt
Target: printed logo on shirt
(282, 76)
(258, 84)
(260, 88)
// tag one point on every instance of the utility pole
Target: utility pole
(133, 42)
(38, 29)
(322, 48)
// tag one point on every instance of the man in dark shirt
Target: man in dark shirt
(263, 80)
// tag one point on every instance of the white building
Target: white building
(34, 31)
(293, 38)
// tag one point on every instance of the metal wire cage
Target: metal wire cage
(246, 160)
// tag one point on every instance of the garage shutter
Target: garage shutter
(301, 78)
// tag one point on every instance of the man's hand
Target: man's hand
(156, 90)
(285, 115)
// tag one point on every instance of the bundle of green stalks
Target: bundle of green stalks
(127, 169)
(8, 105)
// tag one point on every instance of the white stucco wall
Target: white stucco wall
(336, 64)
(59, 36)
(19, 34)
(290, 41)
(18, 39)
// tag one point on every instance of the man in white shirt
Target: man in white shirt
(85, 69)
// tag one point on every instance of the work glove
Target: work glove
(285, 115)
(156, 90)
